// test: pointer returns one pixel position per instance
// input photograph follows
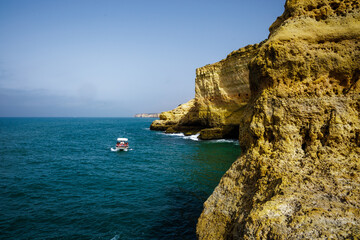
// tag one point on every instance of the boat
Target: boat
(122, 144)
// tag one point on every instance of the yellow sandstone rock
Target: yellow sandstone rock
(222, 89)
(221, 92)
(183, 112)
(299, 177)
(294, 100)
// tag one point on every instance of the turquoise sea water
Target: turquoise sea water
(59, 179)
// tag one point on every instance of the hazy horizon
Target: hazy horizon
(116, 58)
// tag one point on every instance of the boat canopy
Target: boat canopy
(122, 139)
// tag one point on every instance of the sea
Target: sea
(59, 179)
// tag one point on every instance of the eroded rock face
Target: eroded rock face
(173, 120)
(299, 177)
(221, 92)
(222, 89)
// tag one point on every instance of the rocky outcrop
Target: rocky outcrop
(181, 119)
(221, 91)
(299, 176)
(147, 115)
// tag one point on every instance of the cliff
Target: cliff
(221, 91)
(181, 119)
(147, 115)
(299, 176)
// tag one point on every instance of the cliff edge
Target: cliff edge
(299, 176)
(222, 90)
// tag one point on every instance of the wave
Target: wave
(176, 134)
(181, 135)
(234, 141)
(116, 237)
(193, 137)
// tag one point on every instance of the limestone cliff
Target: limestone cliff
(221, 91)
(299, 177)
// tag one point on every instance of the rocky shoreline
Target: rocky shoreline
(222, 90)
(293, 101)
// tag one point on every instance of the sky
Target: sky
(116, 58)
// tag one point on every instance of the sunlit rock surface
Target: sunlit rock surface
(299, 176)
(221, 91)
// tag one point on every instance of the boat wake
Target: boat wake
(114, 150)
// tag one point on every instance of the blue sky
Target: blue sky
(115, 58)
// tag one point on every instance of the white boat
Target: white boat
(122, 144)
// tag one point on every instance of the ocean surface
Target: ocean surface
(59, 179)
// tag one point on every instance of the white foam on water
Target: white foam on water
(226, 141)
(116, 237)
(175, 134)
(114, 150)
(193, 137)
(172, 134)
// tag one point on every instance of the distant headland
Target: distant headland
(147, 115)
